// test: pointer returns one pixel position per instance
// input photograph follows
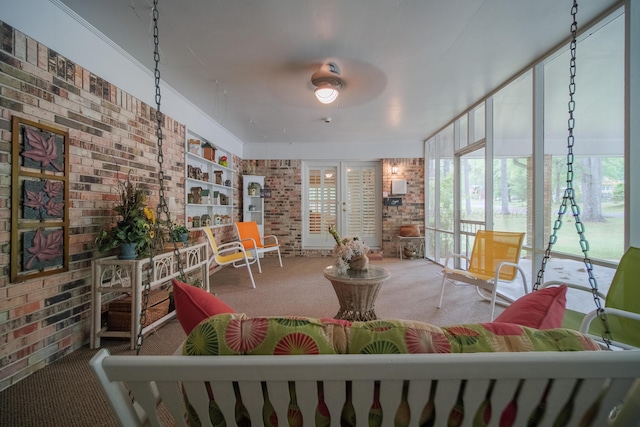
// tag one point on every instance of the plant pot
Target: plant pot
(128, 251)
(184, 237)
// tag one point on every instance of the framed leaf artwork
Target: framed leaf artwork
(39, 200)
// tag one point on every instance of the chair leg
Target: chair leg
(253, 283)
(279, 257)
(255, 253)
(494, 293)
(444, 279)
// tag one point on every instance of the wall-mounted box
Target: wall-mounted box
(398, 186)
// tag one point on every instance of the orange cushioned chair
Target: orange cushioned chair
(249, 235)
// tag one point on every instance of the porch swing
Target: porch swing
(620, 316)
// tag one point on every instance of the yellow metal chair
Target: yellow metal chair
(621, 305)
(230, 253)
(249, 235)
(494, 259)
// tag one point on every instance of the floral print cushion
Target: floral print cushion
(238, 334)
(228, 334)
(507, 337)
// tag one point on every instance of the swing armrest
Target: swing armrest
(572, 286)
(593, 314)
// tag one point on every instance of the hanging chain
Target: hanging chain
(162, 204)
(569, 194)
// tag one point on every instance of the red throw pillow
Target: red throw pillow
(542, 309)
(194, 304)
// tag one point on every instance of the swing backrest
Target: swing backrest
(624, 293)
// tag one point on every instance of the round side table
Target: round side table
(356, 291)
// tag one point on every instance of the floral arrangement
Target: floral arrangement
(136, 225)
(350, 252)
(223, 161)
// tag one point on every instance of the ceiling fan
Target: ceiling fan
(328, 83)
(300, 81)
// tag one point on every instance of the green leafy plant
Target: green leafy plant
(136, 225)
(177, 232)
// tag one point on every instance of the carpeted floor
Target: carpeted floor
(65, 393)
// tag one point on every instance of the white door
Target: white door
(344, 194)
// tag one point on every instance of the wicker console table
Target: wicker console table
(356, 291)
(113, 275)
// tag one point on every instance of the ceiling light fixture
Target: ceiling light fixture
(328, 83)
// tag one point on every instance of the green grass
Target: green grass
(605, 239)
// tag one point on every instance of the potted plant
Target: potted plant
(253, 188)
(179, 233)
(134, 232)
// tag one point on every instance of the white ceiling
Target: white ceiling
(410, 66)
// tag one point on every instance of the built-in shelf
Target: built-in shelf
(253, 200)
(208, 184)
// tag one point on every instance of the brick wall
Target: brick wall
(412, 209)
(111, 134)
(282, 216)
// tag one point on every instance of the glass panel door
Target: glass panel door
(346, 195)
(361, 215)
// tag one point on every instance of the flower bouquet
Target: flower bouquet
(350, 252)
(136, 226)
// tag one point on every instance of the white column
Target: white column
(632, 124)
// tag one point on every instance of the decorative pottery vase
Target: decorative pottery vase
(359, 262)
(410, 252)
(128, 251)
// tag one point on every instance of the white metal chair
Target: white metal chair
(250, 238)
(494, 258)
(230, 253)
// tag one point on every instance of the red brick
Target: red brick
(26, 309)
(25, 330)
